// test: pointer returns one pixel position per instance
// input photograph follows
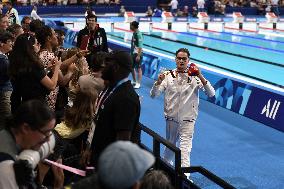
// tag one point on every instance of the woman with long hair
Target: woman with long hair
(78, 119)
(49, 42)
(27, 72)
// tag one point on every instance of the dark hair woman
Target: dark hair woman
(27, 73)
(49, 42)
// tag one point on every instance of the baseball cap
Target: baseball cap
(122, 58)
(122, 164)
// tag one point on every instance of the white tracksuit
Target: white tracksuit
(181, 110)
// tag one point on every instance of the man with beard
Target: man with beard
(92, 38)
(118, 106)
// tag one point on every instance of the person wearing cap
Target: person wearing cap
(136, 53)
(118, 107)
(92, 38)
(181, 87)
(121, 166)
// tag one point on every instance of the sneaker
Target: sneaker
(187, 175)
(137, 86)
(133, 83)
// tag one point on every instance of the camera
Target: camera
(33, 157)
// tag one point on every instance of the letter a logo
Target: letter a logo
(271, 112)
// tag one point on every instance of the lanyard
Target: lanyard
(100, 103)
(174, 75)
(101, 100)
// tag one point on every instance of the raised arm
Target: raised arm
(159, 86)
(209, 90)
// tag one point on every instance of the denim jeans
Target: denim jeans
(5, 106)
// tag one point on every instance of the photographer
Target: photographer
(25, 141)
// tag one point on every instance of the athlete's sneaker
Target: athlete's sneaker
(137, 86)
(133, 83)
(187, 175)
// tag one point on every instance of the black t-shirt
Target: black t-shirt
(119, 112)
(27, 84)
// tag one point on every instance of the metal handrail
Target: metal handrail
(208, 174)
(180, 181)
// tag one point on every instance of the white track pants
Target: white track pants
(179, 134)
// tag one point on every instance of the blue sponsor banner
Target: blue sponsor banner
(145, 19)
(266, 107)
(230, 94)
(70, 35)
(216, 19)
(250, 19)
(181, 19)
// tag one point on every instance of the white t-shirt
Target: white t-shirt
(200, 4)
(174, 4)
(35, 16)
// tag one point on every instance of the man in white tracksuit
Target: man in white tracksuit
(181, 103)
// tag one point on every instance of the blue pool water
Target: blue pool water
(268, 67)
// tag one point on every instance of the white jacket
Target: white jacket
(181, 95)
(35, 16)
(13, 16)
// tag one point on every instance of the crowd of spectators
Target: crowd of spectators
(65, 105)
(63, 2)
(262, 6)
(218, 7)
